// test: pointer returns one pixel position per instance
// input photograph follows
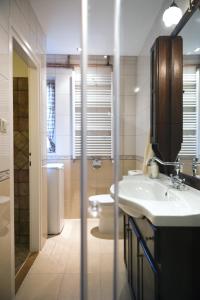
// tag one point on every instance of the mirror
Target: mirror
(190, 147)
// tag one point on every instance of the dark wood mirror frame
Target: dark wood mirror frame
(166, 95)
(190, 180)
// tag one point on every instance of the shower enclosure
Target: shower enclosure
(116, 281)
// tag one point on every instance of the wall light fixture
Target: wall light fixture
(172, 15)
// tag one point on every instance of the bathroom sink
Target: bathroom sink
(155, 199)
(145, 190)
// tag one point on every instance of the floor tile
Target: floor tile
(55, 273)
(70, 287)
(40, 287)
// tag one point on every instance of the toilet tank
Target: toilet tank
(55, 190)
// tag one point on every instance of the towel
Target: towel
(148, 154)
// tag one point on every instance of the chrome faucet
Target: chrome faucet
(195, 163)
(176, 181)
(177, 164)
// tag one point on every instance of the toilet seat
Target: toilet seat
(104, 199)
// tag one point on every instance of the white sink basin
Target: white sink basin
(155, 199)
(145, 190)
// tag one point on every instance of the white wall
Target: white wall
(143, 79)
(128, 104)
(16, 17)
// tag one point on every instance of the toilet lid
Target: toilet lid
(104, 199)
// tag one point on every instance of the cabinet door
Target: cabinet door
(128, 248)
(134, 264)
(135, 237)
(147, 277)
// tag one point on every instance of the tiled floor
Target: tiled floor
(55, 273)
(21, 253)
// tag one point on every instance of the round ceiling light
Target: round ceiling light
(172, 15)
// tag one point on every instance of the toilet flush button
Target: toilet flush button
(3, 125)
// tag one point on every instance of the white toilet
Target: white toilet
(104, 205)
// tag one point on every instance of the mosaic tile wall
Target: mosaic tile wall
(21, 160)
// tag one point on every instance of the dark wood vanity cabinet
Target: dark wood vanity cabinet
(163, 263)
(142, 272)
(147, 277)
(166, 96)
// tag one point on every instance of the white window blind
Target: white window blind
(190, 111)
(99, 112)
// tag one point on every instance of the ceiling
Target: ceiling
(62, 23)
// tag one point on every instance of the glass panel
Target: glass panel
(84, 169)
(127, 242)
(100, 166)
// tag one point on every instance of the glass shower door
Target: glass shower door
(102, 273)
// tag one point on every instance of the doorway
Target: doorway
(27, 169)
(21, 160)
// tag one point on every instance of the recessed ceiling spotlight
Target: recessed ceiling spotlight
(79, 49)
(172, 15)
(197, 50)
(136, 90)
(105, 56)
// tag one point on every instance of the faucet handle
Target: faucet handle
(194, 160)
(177, 182)
(194, 165)
(178, 166)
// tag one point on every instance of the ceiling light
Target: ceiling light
(79, 49)
(172, 15)
(105, 56)
(197, 50)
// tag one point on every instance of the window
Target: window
(51, 145)
(99, 112)
(190, 145)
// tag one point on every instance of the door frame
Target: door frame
(35, 140)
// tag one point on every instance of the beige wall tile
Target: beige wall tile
(128, 105)
(106, 170)
(128, 165)
(75, 213)
(75, 169)
(129, 145)
(139, 164)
